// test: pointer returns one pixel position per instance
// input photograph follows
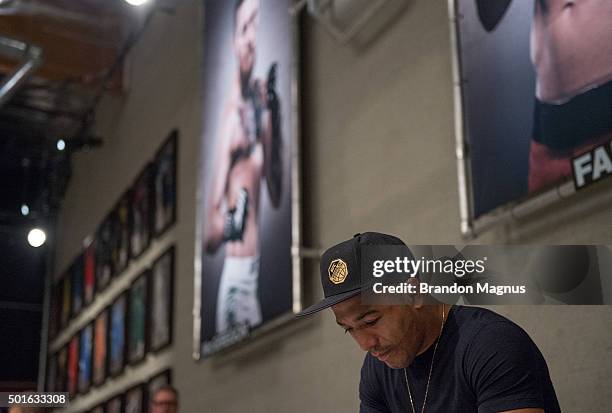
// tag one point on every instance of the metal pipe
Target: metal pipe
(464, 176)
(15, 49)
(12, 48)
(46, 313)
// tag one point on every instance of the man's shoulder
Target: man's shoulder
(475, 323)
(468, 318)
(479, 329)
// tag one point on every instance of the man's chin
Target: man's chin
(393, 365)
(397, 364)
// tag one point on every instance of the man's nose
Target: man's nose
(366, 341)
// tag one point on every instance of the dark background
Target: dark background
(22, 270)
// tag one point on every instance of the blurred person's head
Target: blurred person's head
(25, 409)
(164, 400)
(246, 20)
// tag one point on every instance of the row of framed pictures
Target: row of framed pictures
(135, 399)
(137, 322)
(146, 210)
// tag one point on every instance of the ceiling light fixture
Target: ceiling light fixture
(136, 2)
(36, 237)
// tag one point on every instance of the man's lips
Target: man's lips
(382, 356)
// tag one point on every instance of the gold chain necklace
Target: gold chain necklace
(430, 370)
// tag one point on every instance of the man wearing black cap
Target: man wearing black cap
(432, 357)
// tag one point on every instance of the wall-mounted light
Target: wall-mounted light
(137, 2)
(60, 145)
(25, 210)
(36, 237)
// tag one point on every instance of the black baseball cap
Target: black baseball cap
(341, 269)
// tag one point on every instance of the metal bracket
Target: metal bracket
(331, 13)
(15, 49)
(306, 252)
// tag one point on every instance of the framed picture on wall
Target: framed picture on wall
(89, 273)
(66, 299)
(121, 234)
(524, 124)
(78, 287)
(247, 215)
(162, 301)
(158, 381)
(137, 319)
(104, 269)
(56, 309)
(85, 358)
(51, 373)
(164, 184)
(98, 409)
(135, 399)
(73, 365)
(115, 405)
(100, 347)
(118, 311)
(141, 213)
(62, 369)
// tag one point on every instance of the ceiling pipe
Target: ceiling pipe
(32, 57)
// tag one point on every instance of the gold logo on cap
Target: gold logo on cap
(338, 270)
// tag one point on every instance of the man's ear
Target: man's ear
(490, 12)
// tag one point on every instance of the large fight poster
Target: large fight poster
(536, 90)
(244, 274)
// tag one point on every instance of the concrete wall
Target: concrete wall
(378, 155)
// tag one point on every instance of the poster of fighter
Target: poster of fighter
(244, 273)
(140, 213)
(162, 301)
(164, 184)
(85, 358)
(135, 399)
(137, 318)
(536, 91)
(116, 340)
(77, 274)
(120, 251)
(103, 258)
(100, 351)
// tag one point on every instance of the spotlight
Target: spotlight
(136, 2)
(36, 237)
(61, 145)
(25, 210)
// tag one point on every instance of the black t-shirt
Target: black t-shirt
(484, 363)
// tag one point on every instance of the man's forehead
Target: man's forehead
(164, 394)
